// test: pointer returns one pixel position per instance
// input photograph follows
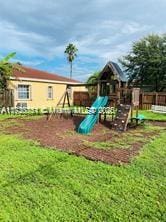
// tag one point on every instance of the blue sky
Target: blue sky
(102, 30)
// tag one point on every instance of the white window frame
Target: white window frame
(52, 93)
(24, 99)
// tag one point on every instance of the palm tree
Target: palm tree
(6, 70)
(93, 79)
(71, 52)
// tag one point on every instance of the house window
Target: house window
(50, 92)
(23, 92)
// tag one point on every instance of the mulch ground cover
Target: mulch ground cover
(59, 133)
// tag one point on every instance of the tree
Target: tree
(71, 52)
(146, 63)
(6, 70)
(93, 79)
(5, 73)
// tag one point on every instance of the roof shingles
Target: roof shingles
(38, 74)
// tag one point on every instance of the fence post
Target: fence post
(156, 98)
(142, 99)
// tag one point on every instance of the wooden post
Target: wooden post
(98, 94)
(156, 98)
(136, 115)
(132, 107)
(63, 105)
(105, 116)
(99, 118)
(98, 89)
(125, 92)
(142, 99)
(118, 92)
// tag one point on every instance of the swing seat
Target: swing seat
(139, 119)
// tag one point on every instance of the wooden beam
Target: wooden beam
(61, 99)
(98, 89)
(81, 84)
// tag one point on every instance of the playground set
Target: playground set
(112, 91)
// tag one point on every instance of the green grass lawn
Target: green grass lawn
(38, 184)
(153, 116)
(23, 116)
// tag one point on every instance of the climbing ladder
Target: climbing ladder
(122, 117)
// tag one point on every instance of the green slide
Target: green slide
(88, 123)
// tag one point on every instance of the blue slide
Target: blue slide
(88, 123)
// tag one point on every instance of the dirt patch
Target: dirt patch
(59, 133)
(158, 123)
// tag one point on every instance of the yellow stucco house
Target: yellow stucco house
(34, 88)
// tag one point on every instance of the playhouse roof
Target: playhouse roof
(115, 69)
(34, 74)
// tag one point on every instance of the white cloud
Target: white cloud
(15, 39)
(102, 30)
(26, 62)
(134, 27)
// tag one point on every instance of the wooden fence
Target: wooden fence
(147, 99)
(6, 98)
(81, 99)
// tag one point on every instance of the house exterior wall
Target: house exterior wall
(39, 93)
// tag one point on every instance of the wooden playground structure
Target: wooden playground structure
(113, 84)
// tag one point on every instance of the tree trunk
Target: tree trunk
(156, 83)
(71, 70)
